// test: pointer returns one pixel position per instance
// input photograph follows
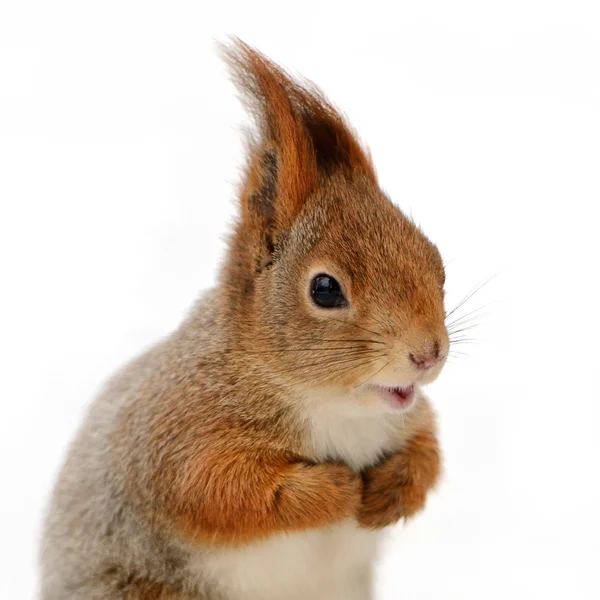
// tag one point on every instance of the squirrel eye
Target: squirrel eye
(327, 292)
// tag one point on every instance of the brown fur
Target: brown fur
(397, 488)
(147, 590)
(204, 442)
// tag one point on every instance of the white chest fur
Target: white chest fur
(340, 428)
(333, 563)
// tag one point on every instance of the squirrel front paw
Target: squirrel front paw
(327, 491)
(398, 486)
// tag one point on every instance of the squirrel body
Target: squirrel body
(259, 450)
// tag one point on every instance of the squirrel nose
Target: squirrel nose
(428, 359)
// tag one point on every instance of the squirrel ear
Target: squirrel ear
(334, 143)
(300, 139)
(282, 169)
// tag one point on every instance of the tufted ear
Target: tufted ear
(300, 140)
(281, 169)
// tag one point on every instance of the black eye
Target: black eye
(327, 292)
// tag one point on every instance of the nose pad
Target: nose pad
(427, 359)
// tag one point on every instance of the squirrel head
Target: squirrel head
(327, 284)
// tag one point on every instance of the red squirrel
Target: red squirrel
(258, 451)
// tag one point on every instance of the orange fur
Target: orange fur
(232, 498)
(280, 128)
(235, 483)
(397, 488)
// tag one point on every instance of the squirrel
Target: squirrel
(259, 451)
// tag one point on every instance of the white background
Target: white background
(119, 147)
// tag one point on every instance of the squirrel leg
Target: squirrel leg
(236, 501)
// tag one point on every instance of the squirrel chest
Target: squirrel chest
(332, 563)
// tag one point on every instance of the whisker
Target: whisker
(452, 332)
(456, 337)
(318, 341)
(340, 370)
(356, 340)
(468, 317)
(457, 352)
(346, 368)
(470, 295)
(321, 364)
(357, 349)
(373, 375)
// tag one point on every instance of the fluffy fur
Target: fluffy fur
(254, 453)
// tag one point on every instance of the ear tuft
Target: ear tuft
(281, 150)
(300, 137)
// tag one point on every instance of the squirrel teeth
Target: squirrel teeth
(404, 392)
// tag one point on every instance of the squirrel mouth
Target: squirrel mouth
(398, 397)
